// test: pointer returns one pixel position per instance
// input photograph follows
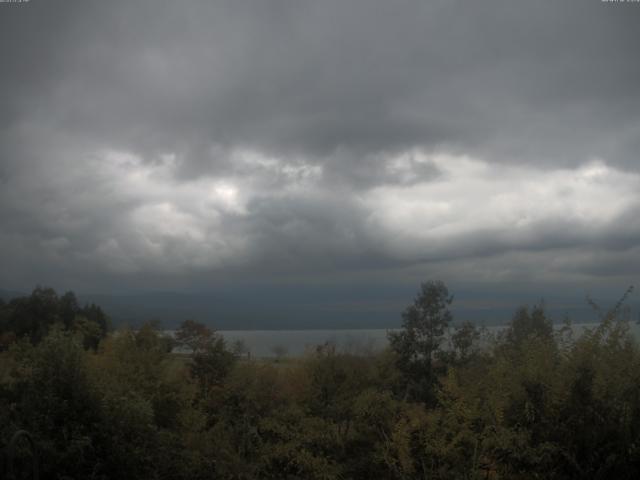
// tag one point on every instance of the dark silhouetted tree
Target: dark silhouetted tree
(529, 323)
(194, 336)
(463, 341)
(416, 345)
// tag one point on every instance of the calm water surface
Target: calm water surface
(265, 343)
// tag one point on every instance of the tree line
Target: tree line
(441, 402)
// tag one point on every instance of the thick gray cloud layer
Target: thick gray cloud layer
(156, 144)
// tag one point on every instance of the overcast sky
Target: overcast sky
(189, 145)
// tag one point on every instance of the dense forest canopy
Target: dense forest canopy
(441, 402)
(32, 316)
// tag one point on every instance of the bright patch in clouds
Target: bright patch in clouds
(317, 141)
(507, 204)
(469, 208)
(120, 213)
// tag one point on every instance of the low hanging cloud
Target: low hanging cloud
(128, 216)
(482, 141)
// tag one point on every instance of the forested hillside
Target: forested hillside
(442, 402)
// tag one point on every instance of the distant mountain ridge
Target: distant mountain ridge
(9, 294)
(300, 309)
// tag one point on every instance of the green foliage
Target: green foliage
(212, 363)
(193, 336)
(89, 331)
(531, 404)
(50, 394)
(464, 342)
(529, 323)
(424, 324)
(32, 317)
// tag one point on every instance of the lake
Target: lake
(261, 343)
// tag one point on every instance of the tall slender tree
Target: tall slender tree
(424, 324)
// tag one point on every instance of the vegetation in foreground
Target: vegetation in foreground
(532, 403)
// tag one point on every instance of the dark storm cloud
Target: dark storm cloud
(552, 80)
(173, 137)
